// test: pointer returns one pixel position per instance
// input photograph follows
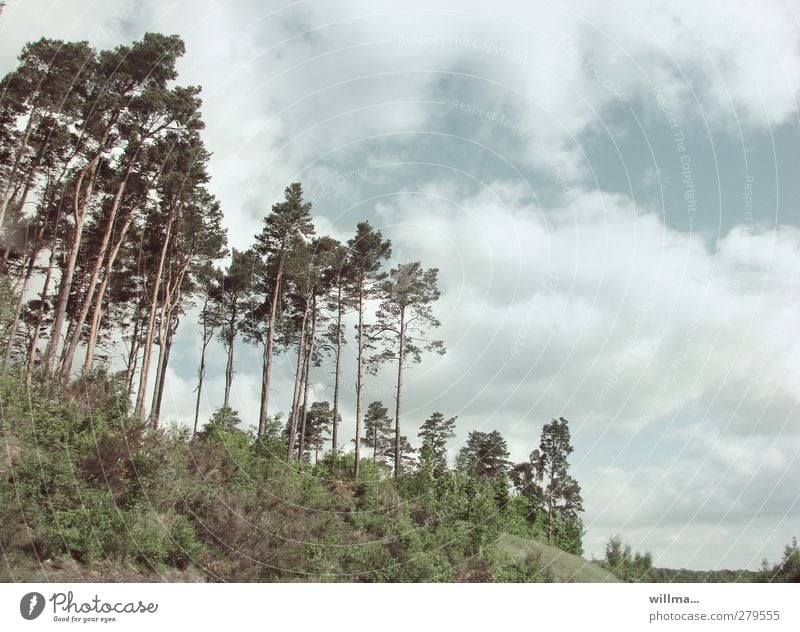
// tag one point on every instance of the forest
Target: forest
(111, 240)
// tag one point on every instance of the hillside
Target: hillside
(91, 494)
(563, 566)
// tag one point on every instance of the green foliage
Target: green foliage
(89, 483)
(6, 311)
(629, 567)
(434, 433)
(485, 455)
(787, 569)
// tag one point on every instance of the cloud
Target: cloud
(465, 134)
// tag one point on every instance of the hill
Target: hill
(560, 565)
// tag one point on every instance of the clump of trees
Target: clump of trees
(636, 566)
(109, 235)
(109, 238)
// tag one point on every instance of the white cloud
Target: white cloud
(583, 305)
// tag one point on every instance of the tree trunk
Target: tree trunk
(298, 379)
(301, 444)
(155, 401)
(337, 374)
(307, 377)
(550, 510)
(267, 366)
(161, 373)
(81, 208)
(94, 327)
(43, 298)
(229, 364)
(359, 377)
(168, 323)
(133, 354)
(15, 167)
(151, 319)
(88, 301)
(21, 299)
(400, 360)
(201, 371)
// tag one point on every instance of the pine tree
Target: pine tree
(318, 424)
(435, 432)
(340, 279)
(210, 320)
(485, 455)
(231, 295)
(561, 492)
(288, 224)
(404, 315)
(377, 430)
(367, 252)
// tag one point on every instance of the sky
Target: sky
(609, 191)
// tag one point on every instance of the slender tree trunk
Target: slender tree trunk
(161, 374)
(133, 354)
(168, 323)
(15, 167)
(400, 360)
(151, 319)
(21, 298)
(155, 400)
(263, 413)
(94, 324)
(229, 364)
(81, 208)
(550, 510)
(307, 378)
(43, 298)
(359, 377)
(337, 374)
(94, 327)
(301, 396)
(20, 211)
(72, 346)
(201, 371)
(298, 379)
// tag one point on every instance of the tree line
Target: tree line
(110, 237)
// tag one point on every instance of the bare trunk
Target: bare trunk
(550, 511)
(69, 354)
(400, 360)
(151, 320)
(15, 167)
(301, 444)
(155, 401)
(161, 374)
(307, 377)
(298, 380)
(37, 330)
(337, 374)
(21, 299)
(201, 371)
(263, 413)
(168, 323)
(94, 327)
(94, 324)
(359, 377)
(81, 208)
(133, 354)
(229, 364)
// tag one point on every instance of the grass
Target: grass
(563, 566)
